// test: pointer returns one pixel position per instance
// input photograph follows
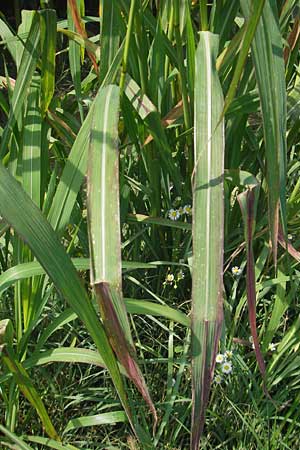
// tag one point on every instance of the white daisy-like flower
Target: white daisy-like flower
(272, 347)
(227, 367)
(187, 209)
(218, 379)
(169, 278)
(181, 210)
(229, 354)
(236, 271)
(220, 358)
(173, 214)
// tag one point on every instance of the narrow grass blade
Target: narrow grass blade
(208, 223)
(26, 386)
(268, 60)
(104, 234)
(31, 165)
(150, 116)
(110, 35)
(110, 418)
(37, 232)
(248, 203)
(251, 25)
(34, 268)
(81, 30)
(48, 49)
(74, 60)
(9, 38)
(145, 307)
(13, 438)
(25, 73)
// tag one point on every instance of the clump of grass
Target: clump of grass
(139, 173)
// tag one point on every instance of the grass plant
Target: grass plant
(149, 230)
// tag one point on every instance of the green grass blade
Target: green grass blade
(104, 233)
(9, 38)
(48, 49)
(31, 168)
(50, 443)
(103, 178)
(268, 60)
(110, 35)
(75, 60)
(20, 443)
(26, 386)
(146, 307)
(207, 227)
(42, 240)
(72, 176)
(97, 419)
(25, 73)
(34, 268)
(252, 23)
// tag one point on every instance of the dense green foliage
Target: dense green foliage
(129, 141)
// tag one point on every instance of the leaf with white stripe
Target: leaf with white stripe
(104, 233)
(208, 218)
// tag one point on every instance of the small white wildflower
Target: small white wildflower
(173, 214)
(272, 347)
(251, 341)
(220, 358)
(187, 209)
(227, 367)
(169, 278)
(180, 210)
(290, 237)
(229, 354)
(236, 271)
(218, 379)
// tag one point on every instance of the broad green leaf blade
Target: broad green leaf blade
(97, 419)
(103, 191)
(26, 386)
(31, 167)
(37, 232)
(25, 73)
(48, 49)
(104, 233)
(208, 222)
(268, 60)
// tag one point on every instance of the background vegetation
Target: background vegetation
(132, 134)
